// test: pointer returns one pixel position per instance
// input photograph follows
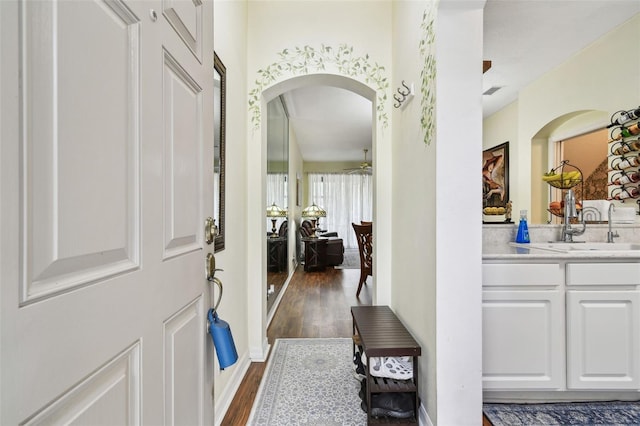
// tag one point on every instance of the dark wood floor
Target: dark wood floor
(316, 304)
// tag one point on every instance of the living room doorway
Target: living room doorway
(381, 188)
(319, 137)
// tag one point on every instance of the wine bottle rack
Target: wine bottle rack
(624, 159)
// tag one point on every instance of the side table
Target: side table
(276, 254)
(315, 251)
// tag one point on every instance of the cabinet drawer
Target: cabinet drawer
(522, 274)
(603, 274)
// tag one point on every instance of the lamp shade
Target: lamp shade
(313, 211)
(275, 211)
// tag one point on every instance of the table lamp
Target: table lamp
(313, 212)
(274, 212)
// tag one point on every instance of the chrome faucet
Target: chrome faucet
(570, 212)
(611, 235)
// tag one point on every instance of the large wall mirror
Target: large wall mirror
(277, 199)
(219, 113)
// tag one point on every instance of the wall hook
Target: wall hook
(405, 94)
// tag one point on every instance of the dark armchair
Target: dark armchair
(306, 231)
(334, 254)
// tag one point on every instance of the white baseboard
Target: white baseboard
(224, 402)
(260, 354)
(274, 308)
(423, 418)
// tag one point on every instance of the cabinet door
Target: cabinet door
(523, 339)
(603, 339)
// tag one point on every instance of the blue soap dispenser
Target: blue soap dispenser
(523, 229)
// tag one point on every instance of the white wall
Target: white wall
(458, 198)
(602, 77)
(230, 45)
(295, 211)
(414, 201)
(436, 280)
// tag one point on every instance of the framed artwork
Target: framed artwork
(495, 176)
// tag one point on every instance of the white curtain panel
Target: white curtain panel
(347, 198)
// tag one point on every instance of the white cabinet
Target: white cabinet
(522, 344)
(567, 326)
(603, 326)
(603, 339)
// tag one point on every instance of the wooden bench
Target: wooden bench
(381, 334)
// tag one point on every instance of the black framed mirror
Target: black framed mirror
(219, 113)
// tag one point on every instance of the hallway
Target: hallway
(316, 304)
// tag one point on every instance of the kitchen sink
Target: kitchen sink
(577, 246)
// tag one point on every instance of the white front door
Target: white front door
(106, 153)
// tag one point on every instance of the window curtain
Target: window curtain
(276, 193)
(346, 198)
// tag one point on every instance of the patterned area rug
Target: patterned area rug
(351, 260)
(310, 382)
(569, 413)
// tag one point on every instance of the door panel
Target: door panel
(183, 368)
(95, 196)
(68, 134)
(603, 339)
(185, 16)
(110, 393)
(522, 339)
(182, 98)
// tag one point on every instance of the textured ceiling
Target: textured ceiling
(526, 39)
(331, 124)
(523, 38)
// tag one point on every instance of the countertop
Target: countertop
(512, 251)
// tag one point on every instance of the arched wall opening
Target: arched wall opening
(543, 154)
(381, 157)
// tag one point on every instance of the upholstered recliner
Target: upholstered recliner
(306, 231)
(335, 252)
(334, 255)
(284, 229)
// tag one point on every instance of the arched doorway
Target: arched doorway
(257, 175)
(544, 155)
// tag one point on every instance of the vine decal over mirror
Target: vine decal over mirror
(307, 59)
(219, 112)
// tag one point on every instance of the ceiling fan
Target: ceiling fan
(364, 168)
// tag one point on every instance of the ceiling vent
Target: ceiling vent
(492, 90)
